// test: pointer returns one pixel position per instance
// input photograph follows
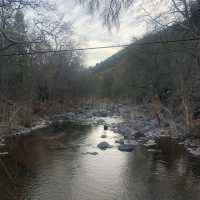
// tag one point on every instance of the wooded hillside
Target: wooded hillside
(170, 70)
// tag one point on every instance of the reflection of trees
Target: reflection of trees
(28, 155)
(162, 176)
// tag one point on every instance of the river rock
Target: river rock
(138, 134)
(104, 145)
(100, 121)
(126, 147)
(91, 153)
(2, 140)
(2, 145)
(120, 141)
(56, 126)
(100, 113)
(3, 154)
(194, 152)
(105, 127)
(166, 124)
(155, 150)
(132, 142)
(150, 144)
(125, 129)
(141, 140)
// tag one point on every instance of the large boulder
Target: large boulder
(104, 145)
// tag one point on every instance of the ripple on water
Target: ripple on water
(110, 175)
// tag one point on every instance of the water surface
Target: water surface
(45, 172)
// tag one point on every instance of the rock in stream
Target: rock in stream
(104, 145)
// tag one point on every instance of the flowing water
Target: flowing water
(45, 168)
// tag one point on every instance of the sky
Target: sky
(90, 32)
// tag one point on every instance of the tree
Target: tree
(182, 12)
(12, 10)
(110, 10)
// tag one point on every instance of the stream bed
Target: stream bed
(71, 167)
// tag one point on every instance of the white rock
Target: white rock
(3, 153)
(150, 143)
(133, 142)
(194, 152)
(155, 150)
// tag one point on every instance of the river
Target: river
(44, 172)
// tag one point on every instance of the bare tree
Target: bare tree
(176, 11)
(110, 10)
(8, 10)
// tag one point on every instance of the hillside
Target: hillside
(139, 72)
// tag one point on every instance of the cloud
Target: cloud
(90, 32)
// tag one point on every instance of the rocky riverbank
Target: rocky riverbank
(136, 125)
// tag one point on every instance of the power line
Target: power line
(65, 50)
(102, 47)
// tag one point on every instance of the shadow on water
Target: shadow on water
(53, 166)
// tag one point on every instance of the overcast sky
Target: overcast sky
(90, 32)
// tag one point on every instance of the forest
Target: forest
(33, 81)
(163, 63)
(127, 127)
